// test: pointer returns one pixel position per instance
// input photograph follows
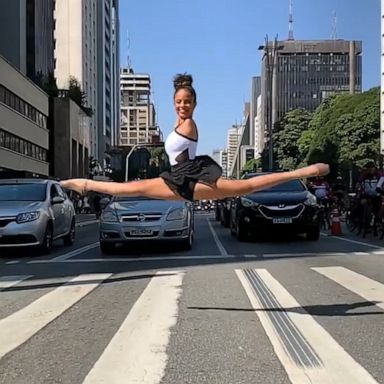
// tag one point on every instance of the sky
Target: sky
(217, 42)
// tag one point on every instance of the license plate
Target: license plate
(141, 232)
(282, 220)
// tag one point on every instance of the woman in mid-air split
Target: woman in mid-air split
(191, 177)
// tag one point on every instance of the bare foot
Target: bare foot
(77, 185)
(314, 170)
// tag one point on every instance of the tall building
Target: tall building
(259, 130)
(220, 156)
(233, 142)
(24, 136)
(138, 117)
(108, 67)
(76, 55)
(30, 25)
(302, 73)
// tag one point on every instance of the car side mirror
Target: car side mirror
(57, 200)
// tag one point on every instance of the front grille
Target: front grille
(142, 217)
(18, 239)
(6, 220)
(287, 211)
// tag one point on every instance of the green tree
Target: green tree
(252, 165)
(287, 151)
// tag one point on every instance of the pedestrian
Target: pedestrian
(191, 177)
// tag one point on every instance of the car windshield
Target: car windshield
(23, 192)
(289, 186)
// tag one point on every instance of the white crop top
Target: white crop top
(180, 148)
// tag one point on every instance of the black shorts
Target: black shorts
(183, 177)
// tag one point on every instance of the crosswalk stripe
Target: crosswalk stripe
(307, 351)
(10, 281)
(23, 324)
(137, 352)
(363, 286)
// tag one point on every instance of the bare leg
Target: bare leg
(230, 188)
(158, 189)
(153, 188)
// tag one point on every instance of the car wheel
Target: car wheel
(241, 233)
(107, 248)
(69, 239)
(187, 244)
(46, 245)
(313, 233)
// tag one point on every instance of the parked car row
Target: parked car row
(289, 205)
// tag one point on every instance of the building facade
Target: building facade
(30, 23)
(233, 143)
(302, 73)
(138, 116)
(108, 67)
(24, 137)
(76, 55)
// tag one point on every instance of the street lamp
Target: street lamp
(136, 146)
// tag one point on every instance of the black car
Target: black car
(288, 205)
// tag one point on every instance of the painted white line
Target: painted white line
(363, 286)
(335, 365)
(12, 262)
(9, 281)
(304, 254)
(378, 252)
(70, 254)
(137, 352)
(222, 250)
(352, 241)
(361, 253)
(17, 328)
(135, 259)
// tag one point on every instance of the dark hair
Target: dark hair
(184, 81)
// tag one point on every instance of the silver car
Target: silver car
(127, 219)
(33, 213)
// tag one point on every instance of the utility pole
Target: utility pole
(382, 82)
(270, 57)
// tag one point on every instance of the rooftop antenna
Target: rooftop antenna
(290, 21)
(129, 63)
(334, 26)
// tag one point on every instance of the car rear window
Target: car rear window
(23, 192)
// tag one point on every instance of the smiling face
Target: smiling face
(184, 103)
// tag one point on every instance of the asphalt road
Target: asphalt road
(276, 310)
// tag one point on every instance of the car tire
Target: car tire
(187, 243)
(313, 233)
(107, 248)
(241, 234)
(46, 245)
(69, 238)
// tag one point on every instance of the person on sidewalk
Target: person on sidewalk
(191, 177)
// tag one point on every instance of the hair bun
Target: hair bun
(182, 80)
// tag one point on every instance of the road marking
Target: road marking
(352, 241)
(129, 259)
(68, 255)
(219, 244)
(137, 352)
(363, 286)
(9, 281)
(17, 328)
(12, 262)
(307, 351)
(304, 254)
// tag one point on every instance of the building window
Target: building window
(19, 145)
(19, 105)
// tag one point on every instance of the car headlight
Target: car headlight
(27, 216)
(177, 214)
(311, 200)
(109, 216)
(248, 202)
